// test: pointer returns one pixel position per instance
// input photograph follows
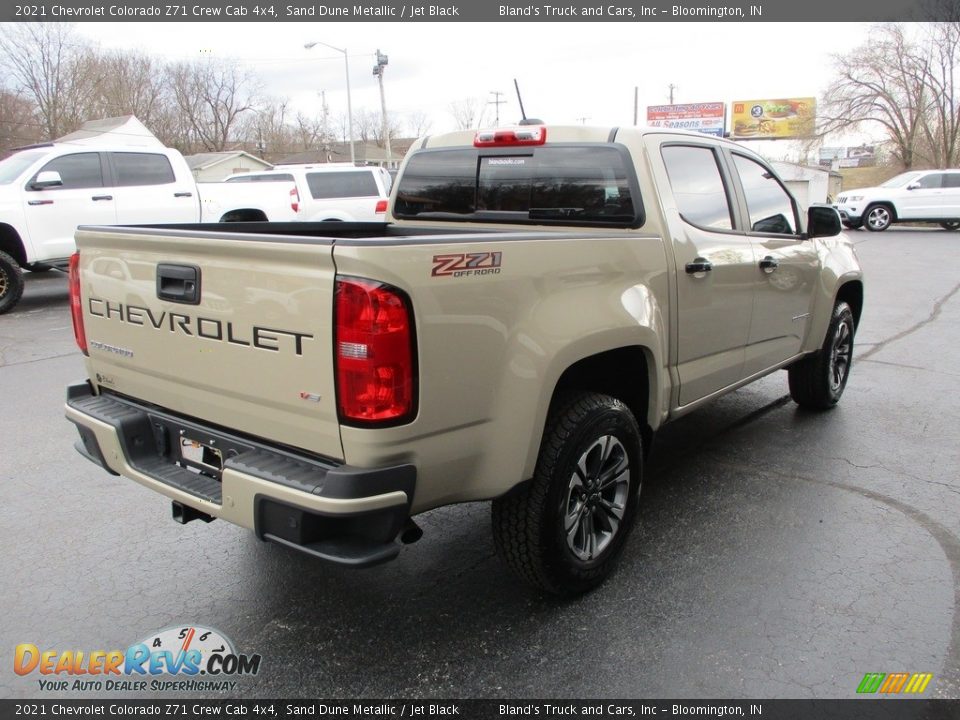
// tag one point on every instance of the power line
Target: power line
(498, 102)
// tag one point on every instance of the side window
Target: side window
(769, 204)
(324, 185)
(142, 169)
(951, 180)
(698, 186)
(81, 170)
(931, 181)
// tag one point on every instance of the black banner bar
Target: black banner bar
(854, 709)
(480, 11)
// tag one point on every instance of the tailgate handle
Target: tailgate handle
(178, 283)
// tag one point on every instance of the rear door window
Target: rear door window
(698, 186)
(327, 185)
(134, 169)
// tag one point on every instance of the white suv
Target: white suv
(918, 195)
(332, 192)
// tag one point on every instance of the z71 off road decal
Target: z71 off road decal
(466, 264)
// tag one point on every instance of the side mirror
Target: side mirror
(823, 221)
(913, 186)
(47, 179)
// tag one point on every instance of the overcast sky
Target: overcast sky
(567, 71)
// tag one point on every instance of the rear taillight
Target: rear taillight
(295, 200)
(76, 306)
(381, 206)
(374, 353)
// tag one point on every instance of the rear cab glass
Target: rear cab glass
(558, 184)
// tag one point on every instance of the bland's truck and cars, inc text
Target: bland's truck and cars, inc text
(542, 301)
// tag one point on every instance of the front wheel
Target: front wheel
(563, 531)
(817, 381)
(877, 218)
(11, 283)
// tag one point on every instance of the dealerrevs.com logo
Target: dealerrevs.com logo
(180, 659)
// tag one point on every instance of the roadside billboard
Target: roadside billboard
(708, 118)
(846, 157)
(775, 119)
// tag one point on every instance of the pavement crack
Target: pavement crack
(907, 367)
(899, 472)
(947, 540)
(934, 314)
(40, 359)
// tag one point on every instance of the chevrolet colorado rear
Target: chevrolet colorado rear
(543, 301)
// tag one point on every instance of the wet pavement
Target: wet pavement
(780, 553)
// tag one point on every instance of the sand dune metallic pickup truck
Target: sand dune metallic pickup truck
(543, 301)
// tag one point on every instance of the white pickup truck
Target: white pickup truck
(47, 191)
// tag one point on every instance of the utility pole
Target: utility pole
(382, 61)
(498, 102)
(672, 87)
(636, 103)
(583, 120)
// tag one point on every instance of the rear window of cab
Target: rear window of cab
(559, 184)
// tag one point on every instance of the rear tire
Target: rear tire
(11, 283)
(817, 381)
(950, 225)
(563, 531)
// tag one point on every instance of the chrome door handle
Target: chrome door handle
(769, 264)
(699, 265)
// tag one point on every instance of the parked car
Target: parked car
(46, 191)
(915, 196)
(332, 191)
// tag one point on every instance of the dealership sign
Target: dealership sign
(699, 117)
(773, 119)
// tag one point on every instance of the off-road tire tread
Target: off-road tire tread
(517, 517)
(806, 377)
(15, 278)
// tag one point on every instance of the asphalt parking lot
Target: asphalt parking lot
(780, 553)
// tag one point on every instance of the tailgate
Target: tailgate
(233, 330)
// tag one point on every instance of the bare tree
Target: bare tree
(468, 112)
(394, 129)
(267, 130)
(881, 83)
(366, 124)
(18, 122)
(941, 122)
(128, 83)
(418, 123)
(42, 61)
(211, 96)
(310, 132)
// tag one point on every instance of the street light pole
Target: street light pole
(346, 66)
(378, 71)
